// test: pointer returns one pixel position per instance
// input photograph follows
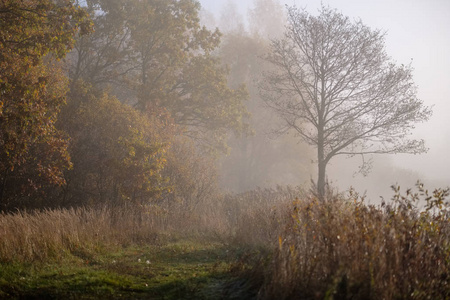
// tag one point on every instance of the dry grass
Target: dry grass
(255, 218)
(37, 236)
(293, 249)
(344, 249)
(29, 236)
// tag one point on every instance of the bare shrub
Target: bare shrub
(192, 201)
(348, 250)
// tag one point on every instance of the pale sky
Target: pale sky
(417, 30)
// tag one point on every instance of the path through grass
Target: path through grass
(183, 269)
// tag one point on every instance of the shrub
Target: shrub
(118, 154)
(192, 176)
(344, 249)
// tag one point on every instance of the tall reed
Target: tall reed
(345, 249)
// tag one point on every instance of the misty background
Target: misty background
(417, 33)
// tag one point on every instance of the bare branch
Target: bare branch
(333, 75)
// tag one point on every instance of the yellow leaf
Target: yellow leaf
(280, 242)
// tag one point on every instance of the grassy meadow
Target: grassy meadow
(267, 244)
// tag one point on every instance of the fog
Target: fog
(418, 32)
(179, 152)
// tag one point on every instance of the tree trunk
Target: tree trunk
(2, 190)
(321, 162)
(321, 180)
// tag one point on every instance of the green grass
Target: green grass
(183, 269)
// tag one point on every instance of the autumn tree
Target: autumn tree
(231, 20)
(102, 57)
(33, 35)
(336, 87)
(118, 153)
(153, 55)
(267, 18)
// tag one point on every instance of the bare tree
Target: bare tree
(337, 88)
(267, 18)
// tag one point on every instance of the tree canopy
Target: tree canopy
(155, 55)
(118, 153)
(33, 34)
(336, 87)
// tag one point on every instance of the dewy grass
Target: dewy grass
(180, 270)
(113, 252)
